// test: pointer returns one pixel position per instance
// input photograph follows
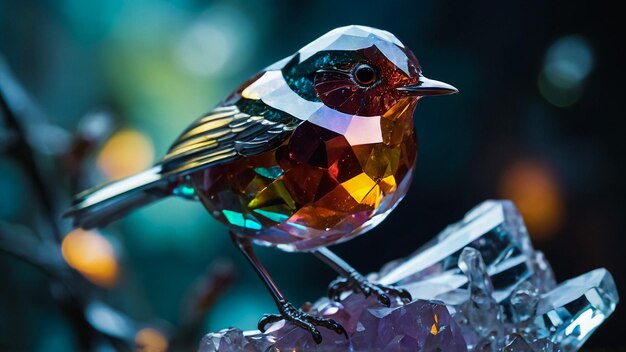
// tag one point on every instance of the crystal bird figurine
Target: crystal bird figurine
(314, 150)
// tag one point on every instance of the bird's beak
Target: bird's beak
(428, 87)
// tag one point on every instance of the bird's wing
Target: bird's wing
(224, 134)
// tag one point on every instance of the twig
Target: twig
(23, 152)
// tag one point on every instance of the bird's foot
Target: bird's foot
(301, 319)
(357, 282)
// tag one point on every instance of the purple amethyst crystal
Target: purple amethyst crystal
(417, 326)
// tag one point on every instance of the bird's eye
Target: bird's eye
(365, 75)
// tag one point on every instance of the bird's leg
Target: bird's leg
(353, 280)
(287, 310)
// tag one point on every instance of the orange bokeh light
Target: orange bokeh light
(92, 255)
(125, 153)
(151, 340)
(534, 189)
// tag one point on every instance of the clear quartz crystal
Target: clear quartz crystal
(480, 314)
(495, 229)
(569, 314)
(478, 286)
(523, 302)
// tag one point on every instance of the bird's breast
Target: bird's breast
(317, 188)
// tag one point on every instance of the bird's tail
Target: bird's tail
(100, 205)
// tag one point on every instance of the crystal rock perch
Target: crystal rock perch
(479, 285)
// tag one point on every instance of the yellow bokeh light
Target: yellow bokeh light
(92, 255)
(125, 153)
(150, 340)
(535, 191)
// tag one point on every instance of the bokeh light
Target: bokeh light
(92, 255)
(108, 320)
(219, 43)
(534, 189)
(150, 340)
(125, 153)
(568, 61)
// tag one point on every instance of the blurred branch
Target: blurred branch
(23, 244)
(27, 136)
(21, 149)
(68, 287)
(94, 128)
(200, 298)
(72, 292)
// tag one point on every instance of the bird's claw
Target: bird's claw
(303, 320)
(357, 282)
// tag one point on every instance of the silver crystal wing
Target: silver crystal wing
(224, 134)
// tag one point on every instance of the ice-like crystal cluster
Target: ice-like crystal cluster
(477, 286)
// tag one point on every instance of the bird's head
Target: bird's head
(359, 70)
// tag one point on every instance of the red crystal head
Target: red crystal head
(367, 85)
